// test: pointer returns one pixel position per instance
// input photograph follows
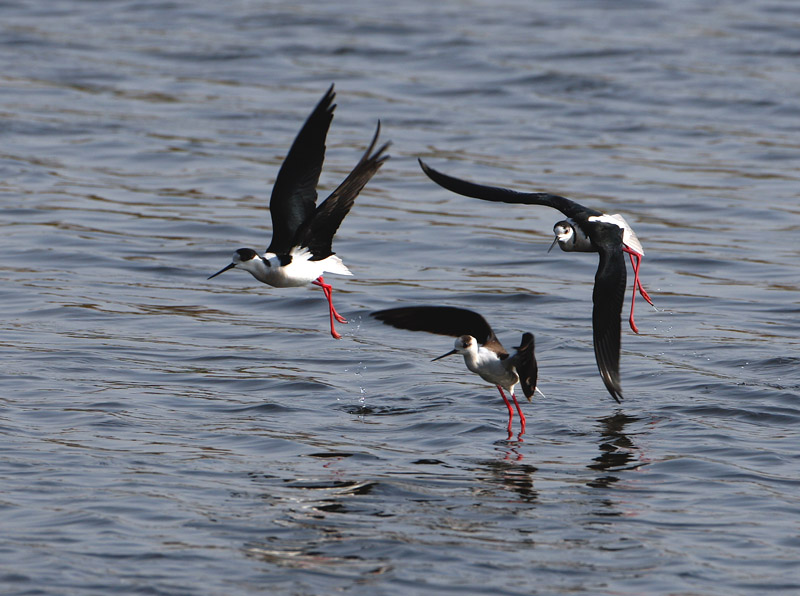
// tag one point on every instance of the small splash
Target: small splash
(358, 372)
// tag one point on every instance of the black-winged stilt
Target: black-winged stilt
(483, 353)
(570, 237)
(302, 232)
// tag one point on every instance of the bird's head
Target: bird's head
(462, 345)
(565, 235)
(244, 258)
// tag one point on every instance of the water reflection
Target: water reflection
(617, 451)
(308, 530)
(510, 475)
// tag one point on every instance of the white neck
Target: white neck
(480, 359)
(258, 269)
(476, 357)
(490, 368)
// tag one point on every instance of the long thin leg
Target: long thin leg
(633, 302)
(326, 289)
(510, 409)
(636, 260)
(637, 283)
(521, 415)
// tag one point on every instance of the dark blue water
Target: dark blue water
(164, 434)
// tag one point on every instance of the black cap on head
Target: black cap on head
(246, 254)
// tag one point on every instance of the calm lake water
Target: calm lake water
(165, 434)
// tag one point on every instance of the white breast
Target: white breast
(490, 368)
(301, 270)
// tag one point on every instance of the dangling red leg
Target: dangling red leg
(521, 415)
(327, 290)
(633, 302)
(510, 410)
(637, 283)
(636, 260)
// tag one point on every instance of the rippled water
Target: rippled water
(164, 434)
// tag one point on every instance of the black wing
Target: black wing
(608, 296)
(294, 196)
(318, 231)
(503, 195)
(442, 320)
(525, 363)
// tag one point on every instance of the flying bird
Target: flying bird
(302, 231)
(571, 238)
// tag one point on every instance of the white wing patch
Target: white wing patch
(331, 264)
(629, 238)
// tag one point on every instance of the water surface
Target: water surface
(165, 434)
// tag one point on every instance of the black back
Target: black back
(443, 320)
(317, 231)
(569, 208)
(294, 195)
(525, 363)
(608, 296)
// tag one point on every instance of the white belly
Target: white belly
(301, 271)
(491, 369)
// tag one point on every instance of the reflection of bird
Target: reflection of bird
(586, 230)
(511, 474)
(302, 232)
(483, 353)
(617, 451)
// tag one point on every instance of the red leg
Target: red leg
(510, 409)
(637, 283)
(521, 415)
(326, 289)
(636, 260)
(633, 302)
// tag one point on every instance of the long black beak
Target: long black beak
(450, 353)
(555, 241)
(223, 270)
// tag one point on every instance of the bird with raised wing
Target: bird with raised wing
(302, 231)
(476, 342)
